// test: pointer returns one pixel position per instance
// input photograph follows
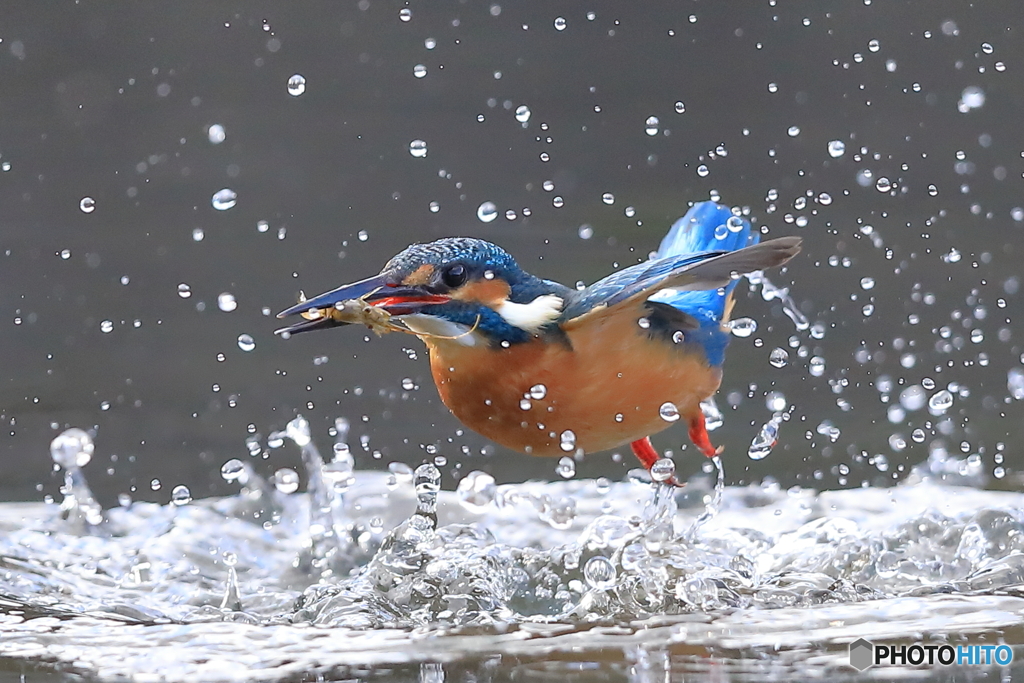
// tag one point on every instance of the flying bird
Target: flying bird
(546, 369)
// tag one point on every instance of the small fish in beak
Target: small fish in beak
(372, 302)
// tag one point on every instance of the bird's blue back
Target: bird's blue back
(707, 227)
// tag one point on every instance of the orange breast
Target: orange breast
(607, 390)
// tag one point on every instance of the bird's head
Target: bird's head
(464, 289)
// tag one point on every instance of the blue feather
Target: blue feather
(705, 227)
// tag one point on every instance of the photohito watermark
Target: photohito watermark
(864, 653)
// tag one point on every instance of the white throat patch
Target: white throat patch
(532, 316)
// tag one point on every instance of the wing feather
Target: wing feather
(692, 272)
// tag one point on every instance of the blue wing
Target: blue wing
(694, 245)
(705, 227)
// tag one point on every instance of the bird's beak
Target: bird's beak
(377, 291)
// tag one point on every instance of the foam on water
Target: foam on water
(390, 569)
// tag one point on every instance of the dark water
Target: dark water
(115, 104)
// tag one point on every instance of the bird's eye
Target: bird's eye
(454, 276)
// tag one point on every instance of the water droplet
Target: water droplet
(608, 198)
(246, 342)
(426, 482)
(817, 366)
(476, 491)
(867, 282)
(651, 125)
(296, 85)
(663, 469)
(668, 411)
(216, 134)
(883, 184)
(430, 43)
(776, 401)
(72, 448)
(743, 327)
(940, 401)
(434, 207)
(87, 205)
(298, 431)
(286, 480)
(599, 572)
(972, 97)
(184, 291)
(793, 131)
(419, 71)
(487, 212)
(538, 391)
(224, 199)
(405, 14)
(522, 113)
(913, 397)
(1015, 383)
(180, 495)
(766, 439)
(703, 171)
(680, 107)
(566, 468)
(226, 302)
(525, 404)
(198, 234)
(953, 256)
(418, 148)
(560, 23)
(106, 327)
(557, 202)
(779, 357)
(232, 470)
(567, 441)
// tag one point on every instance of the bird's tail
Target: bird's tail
(707, 227)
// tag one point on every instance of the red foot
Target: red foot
(699, 437)
(645, 453)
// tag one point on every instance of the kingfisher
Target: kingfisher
(550, 370)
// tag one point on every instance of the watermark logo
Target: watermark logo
(864, 654)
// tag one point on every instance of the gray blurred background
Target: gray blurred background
(113, 105)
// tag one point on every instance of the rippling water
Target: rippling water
(386, 576)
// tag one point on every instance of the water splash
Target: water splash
(770, 292)
(72, 450)
(419, 557)
(713, 418)
(766, 438)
